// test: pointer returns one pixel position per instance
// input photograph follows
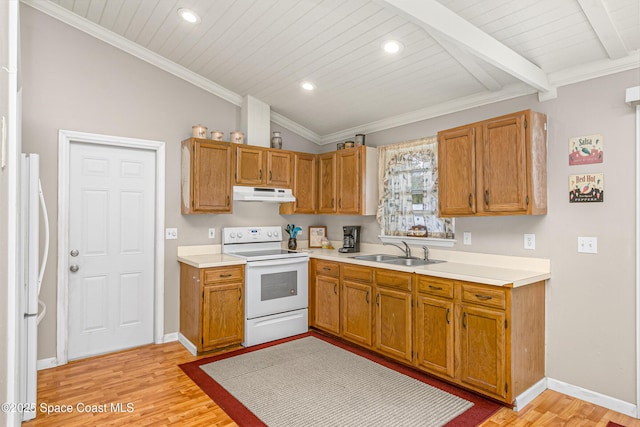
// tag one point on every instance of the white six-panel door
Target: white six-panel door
(111, 248)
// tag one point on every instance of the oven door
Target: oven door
(276, 286)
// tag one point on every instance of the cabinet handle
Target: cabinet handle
(260, 177)
(447, 316)
(326, 268)
(335, 288)
(270, 175)
(228, 200)
(527, 200)
(240, 297)
(340, 203)
(366, 297)
(435, 288)
(464, 319)
(483, 297)
(470, 200)
(486, 197)
(378, 299)
(332, 202)
(226, 275)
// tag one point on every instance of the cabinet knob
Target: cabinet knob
(486, 197)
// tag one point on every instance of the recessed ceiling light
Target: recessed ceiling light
(392, 46)
(307, 86)
(189, 16)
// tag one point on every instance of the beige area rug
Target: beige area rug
(309, 382)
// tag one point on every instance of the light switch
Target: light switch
(466, 238)
(212, 233)
(171, 233)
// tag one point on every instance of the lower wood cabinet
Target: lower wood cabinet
(357, 312)
(489, 339)
(212, 306)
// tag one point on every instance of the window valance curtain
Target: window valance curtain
(408, 189)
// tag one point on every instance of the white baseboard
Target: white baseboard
(188, 345)
(51, 362)
(531, 393)
(593, 397)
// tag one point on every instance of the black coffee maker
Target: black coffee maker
(350, 239)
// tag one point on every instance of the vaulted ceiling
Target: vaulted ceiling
(455, 54)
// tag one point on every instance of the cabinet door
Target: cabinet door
(357, 312)
(222, 315)
(457, 172)
(304, 183)
(279, 168)
(349, 181)
(327, 310)
(249, 164)
(483, 349)
(504, 180)
(393, 323)
(211, 178)
(434, 335)
(327, 183)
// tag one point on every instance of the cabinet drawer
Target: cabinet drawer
(435, 286)
(354, 272)
(327, 268)
(393, 279)
(485, 296)
(222, 274)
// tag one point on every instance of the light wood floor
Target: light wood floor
(148, 381)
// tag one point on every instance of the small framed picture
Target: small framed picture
(316, 234)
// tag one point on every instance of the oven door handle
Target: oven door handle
(277, 262)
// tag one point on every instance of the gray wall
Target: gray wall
(74, 82)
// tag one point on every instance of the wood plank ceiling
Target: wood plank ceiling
(456, 53)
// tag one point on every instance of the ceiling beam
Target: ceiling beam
(433, 16)
(601, 23)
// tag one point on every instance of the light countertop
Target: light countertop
(487, 269)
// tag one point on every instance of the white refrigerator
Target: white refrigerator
(31, 271)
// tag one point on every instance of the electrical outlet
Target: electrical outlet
(466, 238)
(171, 233)
(529, 241)
(588, 245)
(212, 233)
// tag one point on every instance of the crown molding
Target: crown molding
(295, 127)
(595, 69)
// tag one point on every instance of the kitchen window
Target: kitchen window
(408, 188)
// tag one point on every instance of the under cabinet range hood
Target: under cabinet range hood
(261, 194)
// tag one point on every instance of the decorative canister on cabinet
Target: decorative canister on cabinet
(217, 135)
(276, 140)
(237, 137)
(199, 131)
(349, 144)
(359, 139)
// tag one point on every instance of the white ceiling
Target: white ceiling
(457, 53)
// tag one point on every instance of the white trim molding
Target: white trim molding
(593, 397)
(65, 139)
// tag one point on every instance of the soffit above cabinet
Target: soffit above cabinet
(456, 53)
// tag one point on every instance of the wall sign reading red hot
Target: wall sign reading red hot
(588, 187)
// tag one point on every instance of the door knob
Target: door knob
(74, 252)
(74, 268)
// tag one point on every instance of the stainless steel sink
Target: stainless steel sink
(395, 259)
(412, 261)
(376, 257)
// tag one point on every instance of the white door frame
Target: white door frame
(65, 139)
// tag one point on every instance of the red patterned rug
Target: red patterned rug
(480, 411)
(612, 424)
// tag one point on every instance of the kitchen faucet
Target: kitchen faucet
(406, 249)
(426, 253)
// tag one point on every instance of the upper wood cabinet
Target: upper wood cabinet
(206, 176)
(257, 166)
(304, 185)
(347, 181)
(494, 167)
